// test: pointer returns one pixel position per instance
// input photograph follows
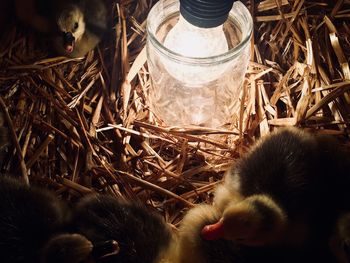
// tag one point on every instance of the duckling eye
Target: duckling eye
(76, 25)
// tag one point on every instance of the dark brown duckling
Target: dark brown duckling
(76, 248)
(68, 248)
(29, 216)
(142, 235)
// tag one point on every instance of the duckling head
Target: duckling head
(254, 221)
(71, 26)
(72, 248)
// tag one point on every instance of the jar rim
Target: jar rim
(221, 58)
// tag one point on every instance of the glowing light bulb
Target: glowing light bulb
(195, 42)
(192, 41)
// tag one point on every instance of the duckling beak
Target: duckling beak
(214, 231)
(105, 249)
(68, 41)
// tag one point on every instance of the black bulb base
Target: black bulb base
(205, 13)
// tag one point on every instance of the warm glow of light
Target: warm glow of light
(198, 118)
(195, 42)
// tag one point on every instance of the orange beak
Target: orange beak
(214, 231)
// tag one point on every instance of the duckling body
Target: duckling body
(282, 192)
(74, 26)
(141, 234)
(28, 217)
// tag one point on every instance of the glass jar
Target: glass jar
(196, 91)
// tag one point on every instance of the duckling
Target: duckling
(142, 235)
(29, 216)
(80, 27)
(190, 247)
(68, 248)
(74, 26)
(76, 248)
(282, 192)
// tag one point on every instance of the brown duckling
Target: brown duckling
(74, 26)
(76, 248)
(29, 216)
(282, 192)
(68, 248)
(116, 230)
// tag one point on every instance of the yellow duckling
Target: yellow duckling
(255, 221)
(191, 247)
(188, 247)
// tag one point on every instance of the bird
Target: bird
(282, 193)
(189, 247)
(73, 27)
(29, 216)
(142, 235)
(68, 248)
(73, 248)
(35, 226)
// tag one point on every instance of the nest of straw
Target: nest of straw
(83, 125)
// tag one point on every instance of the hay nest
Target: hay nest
(82, 125)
